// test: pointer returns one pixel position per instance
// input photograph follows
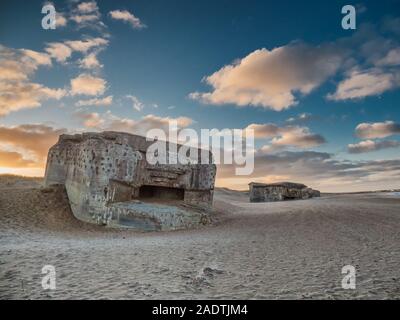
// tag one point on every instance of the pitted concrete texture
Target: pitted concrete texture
(280, 191)
(109, 181)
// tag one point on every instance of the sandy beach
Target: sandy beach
(282, 250)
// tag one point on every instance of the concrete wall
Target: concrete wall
(270, 193)
(102, 169)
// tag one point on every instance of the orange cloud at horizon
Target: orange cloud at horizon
(241, 183)
(23, 148)
(26, 172)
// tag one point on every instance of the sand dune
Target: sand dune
(280, 250)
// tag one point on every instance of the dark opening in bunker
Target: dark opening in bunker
(289, 198)
(162, 193)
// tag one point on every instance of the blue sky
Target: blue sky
(175, 45)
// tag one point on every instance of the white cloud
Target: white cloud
(88, 85)
(361, 84)
(377, 130)
(288, 136)
(20, 64)
(87, 7)
(127, 17)
(264, 131)
(87, 44)
(136, 103)
(392, 58)
(369, 146)
(297, 137)
(271, 78)
(278, 78)
(301, 118)
(61, 21)
(39, 57)
(59, 51)
(25, 95)
(90, 120)
(87, 15)
(90, 62)
(111, 122)
(106, 101)
(16, 91)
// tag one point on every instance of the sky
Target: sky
(324, 101)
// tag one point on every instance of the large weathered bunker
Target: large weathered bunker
(280, 191)
(109, 181)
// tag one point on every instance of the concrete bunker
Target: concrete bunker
(109, 181)
(280, 191)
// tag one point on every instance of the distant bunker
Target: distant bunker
(109, 181)
(281, 191)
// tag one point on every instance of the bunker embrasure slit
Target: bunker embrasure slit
(161, 193)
